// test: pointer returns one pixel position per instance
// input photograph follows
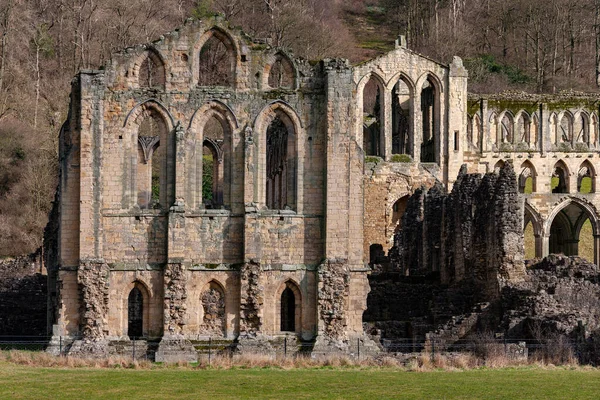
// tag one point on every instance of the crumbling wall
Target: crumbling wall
(175, 298)
(93, 282)
(22, 297)
(557, 295)
(213, 320)
(251, 300)
(333, 292)
(474, 232)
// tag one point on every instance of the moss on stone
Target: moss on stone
(401, 158)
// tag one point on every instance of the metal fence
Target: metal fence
(208, 349)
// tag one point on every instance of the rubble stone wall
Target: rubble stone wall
(480, 237)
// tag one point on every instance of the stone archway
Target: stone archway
(572, 230)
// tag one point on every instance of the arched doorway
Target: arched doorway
(135, 314)
(290, 308)
(571, 232)
(288, 311)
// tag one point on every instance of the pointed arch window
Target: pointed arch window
(151, 164)
(151, 73)
(430, 120)
(217, 61)
(373, 118)
(280, 158)
(135, 314)
(560, 178)
(281, 73)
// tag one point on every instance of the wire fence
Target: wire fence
(358, 349)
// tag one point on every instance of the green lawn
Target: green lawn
(22, 382)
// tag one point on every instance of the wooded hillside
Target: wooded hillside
(531, 45)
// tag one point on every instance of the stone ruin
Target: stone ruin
(267, 197)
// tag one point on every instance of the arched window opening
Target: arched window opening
(376, 254)
(507, 128)
(585, 179)
(280, 175)
(401, 128)
(582, 133)
(151, 166)
(529, 241)
(429, 117)
(476, 130)
(135, 314)
(571, 233)
(494, 129)
(565, 129)
(554, 130)
(397, 212)
(524, 128)
(152, 72)
(469, 129)
(594, 130)
(499, 165)
(372, 118)
(217, 63)
(533, 137)
(212, 163)
(281, 73)
(288, 310)
(526, 179)
(213, 306)
(560, 183)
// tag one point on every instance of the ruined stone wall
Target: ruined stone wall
(480, 237)
(385, 183)
(23, 296)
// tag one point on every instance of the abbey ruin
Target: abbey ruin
(212, 186)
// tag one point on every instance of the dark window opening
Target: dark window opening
(288, 311)
(135, 314)
(277, 165)
(429, 115)
(372, 119)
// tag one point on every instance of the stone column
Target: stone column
(486, 135)
(545, 244)
(596, 249)
(539, 245)
(544, 130)
(387, 124)
(179, 166)
(91, 130)
(416, 125)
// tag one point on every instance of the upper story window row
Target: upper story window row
(216, 62)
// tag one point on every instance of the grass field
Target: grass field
(25, 382)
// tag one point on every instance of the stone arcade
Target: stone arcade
(243, 200)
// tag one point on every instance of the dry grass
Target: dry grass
(423, 362)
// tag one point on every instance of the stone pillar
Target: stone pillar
(180, 166)
(487, 137)
(387, 124)
(539, 245)
(456, 135)
(596, 249)
(174, 346)
(91, 124)
(545, 244)
(416, 125)
(544, 130)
